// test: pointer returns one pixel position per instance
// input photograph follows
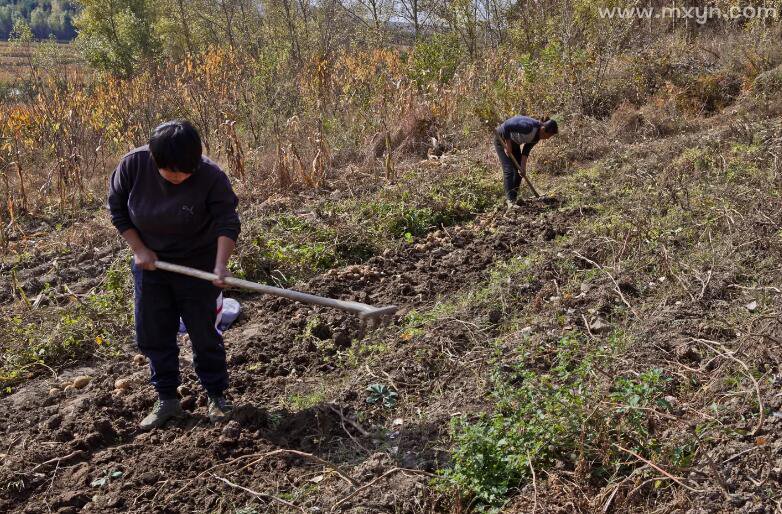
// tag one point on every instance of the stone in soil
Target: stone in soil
(122, 383)
(81, 382)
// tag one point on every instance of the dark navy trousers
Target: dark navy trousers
(161, 298)
(511, 177)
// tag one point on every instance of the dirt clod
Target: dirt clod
(321, 331)
(139, 360)
(341, 339)
(188, 403)
(71, 499)
(54, 422)
(232, 430)
(148, 478)
(688, 353)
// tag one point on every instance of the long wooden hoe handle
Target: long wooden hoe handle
(523, 175)
(364, 311)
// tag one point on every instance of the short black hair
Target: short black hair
(176, 146)
(551, 126)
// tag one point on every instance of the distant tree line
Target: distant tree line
(45, 18)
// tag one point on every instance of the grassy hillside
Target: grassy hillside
(613, 347)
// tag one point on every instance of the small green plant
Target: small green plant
(105, 479)
(535, 424)
(381, 393)
(683, 455)
(634, 397)
(360, 351)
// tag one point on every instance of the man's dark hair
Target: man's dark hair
(550, 126)
(176, 146)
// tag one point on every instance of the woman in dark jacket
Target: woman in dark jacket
(170, 202)
(516, 137)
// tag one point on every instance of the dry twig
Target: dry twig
(305, 455)
(678, 480)
(708, 343)
(759, 288)
(71, 455)
(352, 423)
(739, 454)
(616, 284)
(718, 476)
(378, 479)
(586, 325)
(237, 459)
(343, 420)
(534, 484)
(259, 495)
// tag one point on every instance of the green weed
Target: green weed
(561, 415)
(38, 339)
(299, 402)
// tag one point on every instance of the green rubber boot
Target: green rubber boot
(163, 411)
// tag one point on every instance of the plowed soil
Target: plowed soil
(82, 451)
